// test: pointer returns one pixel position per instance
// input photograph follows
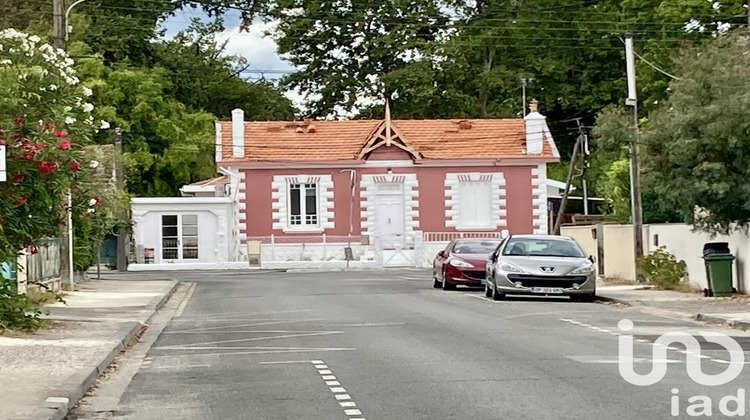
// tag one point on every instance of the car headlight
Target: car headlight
(461, 264)
(585, 269)
(509, 268)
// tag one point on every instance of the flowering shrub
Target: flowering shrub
(44, 122)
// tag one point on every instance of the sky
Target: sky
(260, 50)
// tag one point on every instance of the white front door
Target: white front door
(179, 237)
(390, 218)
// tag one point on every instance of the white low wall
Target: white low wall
(688, 246)
(679, 240)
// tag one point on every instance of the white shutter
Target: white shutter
(475, 204)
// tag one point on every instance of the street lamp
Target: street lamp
(68, 28)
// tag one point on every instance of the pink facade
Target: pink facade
(257, 218)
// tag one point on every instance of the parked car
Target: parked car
(463, 262)
(540, 265)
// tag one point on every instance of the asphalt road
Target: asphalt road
(386, 345)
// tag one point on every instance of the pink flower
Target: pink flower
(61, 133)
(74, 166)
(29, 157)
(18, 120)
(3, 142)
(40, 146)
(18, 178)
(20, 201)
(64, 145)
(48, 167)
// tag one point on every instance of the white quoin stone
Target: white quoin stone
(536, 127)
(238, 133)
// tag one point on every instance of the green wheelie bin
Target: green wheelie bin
(718, 262)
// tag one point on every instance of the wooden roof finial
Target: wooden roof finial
(387, 123)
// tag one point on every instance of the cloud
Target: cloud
(258, 48)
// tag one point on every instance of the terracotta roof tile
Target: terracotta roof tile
(343, 140)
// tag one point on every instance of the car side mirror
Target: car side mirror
(493, 257)
(441, 253)
(592, 259)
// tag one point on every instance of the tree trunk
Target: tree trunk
(484, 87)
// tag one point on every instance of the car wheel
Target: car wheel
(487, 290)
(497, 296)
(435, 282)
(446, 284)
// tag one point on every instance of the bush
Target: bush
(662, 268)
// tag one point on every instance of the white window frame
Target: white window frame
(305, 224)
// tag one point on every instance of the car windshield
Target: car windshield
(543, 247)
(475, 247)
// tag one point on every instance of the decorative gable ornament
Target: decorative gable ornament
(386, 134)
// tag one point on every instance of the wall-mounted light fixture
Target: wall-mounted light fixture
(389, 171)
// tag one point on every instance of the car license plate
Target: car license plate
(546, 290)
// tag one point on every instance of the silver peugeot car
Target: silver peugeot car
(540, 265)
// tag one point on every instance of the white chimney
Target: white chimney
(238, 133)
(536, 126)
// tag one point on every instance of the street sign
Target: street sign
(3, 175)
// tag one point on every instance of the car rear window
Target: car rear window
(543, 248)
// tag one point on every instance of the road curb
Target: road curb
(56, 408)
(728, 322)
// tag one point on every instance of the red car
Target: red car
(463, 262)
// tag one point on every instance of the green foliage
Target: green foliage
(662, 268)
(18, 311)
(697, 144)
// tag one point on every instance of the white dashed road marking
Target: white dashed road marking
(640, 340)
(339, 391)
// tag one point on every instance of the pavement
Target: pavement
(45, 373)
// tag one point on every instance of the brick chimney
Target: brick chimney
(238, 133)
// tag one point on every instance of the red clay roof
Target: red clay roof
(343, 140)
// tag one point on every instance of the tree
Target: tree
(345, 52)
(45, 120)
(697, 143)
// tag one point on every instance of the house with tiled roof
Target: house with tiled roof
(384, 189)
(362, 193)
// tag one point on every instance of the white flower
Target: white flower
(6, 62)
(70, 120)
(87, 91)
(93, 164)
(53, 87)
(34, 39)
(87, 107)
(92, 202)
(91, 210)
(104, 126)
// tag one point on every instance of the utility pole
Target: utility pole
(585, 165)
(635, 175)
(122, 243)
(568, 180)
(58, 24)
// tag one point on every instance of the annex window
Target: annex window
(303, 205)
(179, 237)
(475, 198)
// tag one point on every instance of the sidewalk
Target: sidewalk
(731, 312)
(45, 373)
